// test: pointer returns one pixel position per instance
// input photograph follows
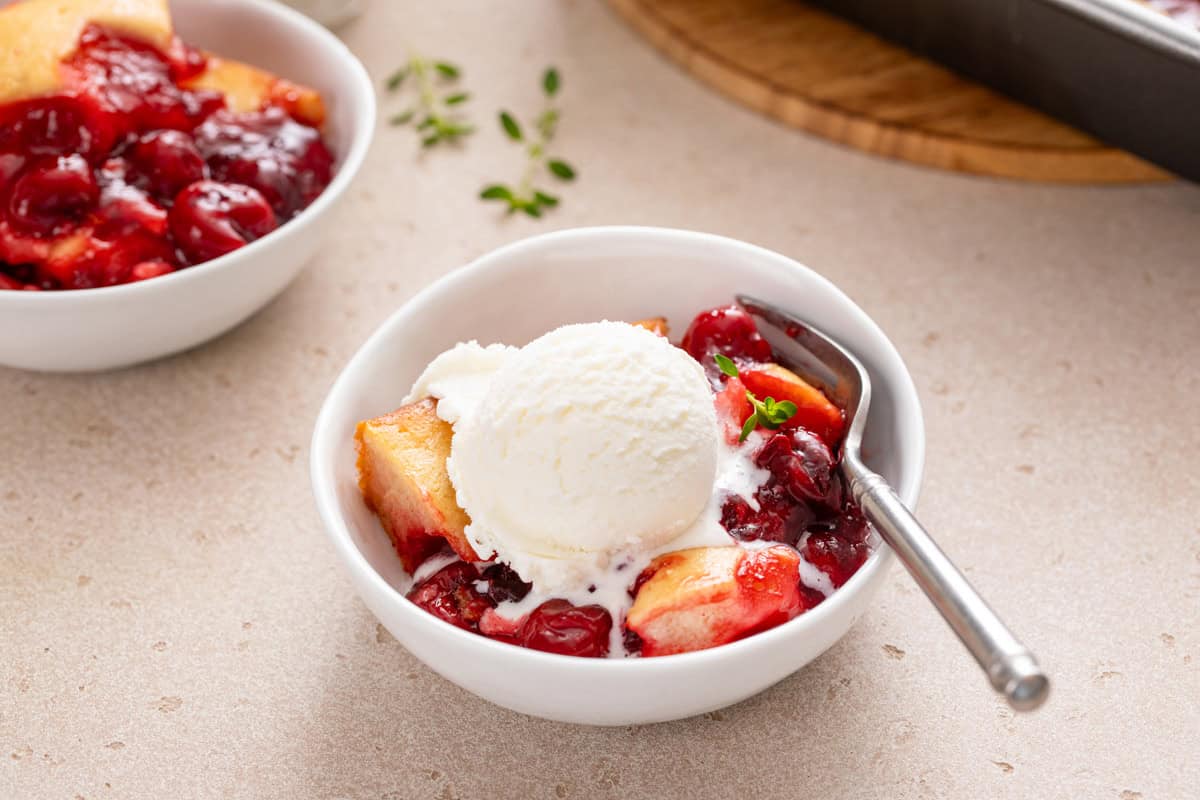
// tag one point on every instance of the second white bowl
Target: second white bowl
(115, 326)
(515, 294)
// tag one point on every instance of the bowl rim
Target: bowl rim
(322, 452)
(364, 112)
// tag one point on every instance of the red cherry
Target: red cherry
(728, 330)
(803, 464)
(166, 161)
(449, 594)
(210, 219)
(57, 125)
(835, 556)
(556, 626)
(53, 194)
(851, 526)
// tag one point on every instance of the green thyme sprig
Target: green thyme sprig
(435, 112)
(526, 196)
(767, 412)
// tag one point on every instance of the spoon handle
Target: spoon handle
(1009, 665)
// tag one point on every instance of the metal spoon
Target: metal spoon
(1009, 665)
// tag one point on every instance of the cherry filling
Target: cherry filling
(556, 626)
(126, 174)
(802, 504)
(804, 493)
(449, 594)
(210, 219)
(803, 489)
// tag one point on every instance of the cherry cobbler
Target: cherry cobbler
(126, 154)
(778, 535)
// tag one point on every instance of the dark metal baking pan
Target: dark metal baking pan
(1116, 69)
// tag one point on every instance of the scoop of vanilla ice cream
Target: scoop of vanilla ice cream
(591, 441)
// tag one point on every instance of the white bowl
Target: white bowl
(513, 295)
(94, 329)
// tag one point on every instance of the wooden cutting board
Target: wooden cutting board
(814, 71)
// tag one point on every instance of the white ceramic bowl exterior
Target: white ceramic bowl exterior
(94, 329)
(513, 295)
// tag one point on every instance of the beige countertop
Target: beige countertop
(173, 622)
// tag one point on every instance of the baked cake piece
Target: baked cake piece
(402, 474)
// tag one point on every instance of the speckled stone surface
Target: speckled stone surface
(173, 622)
